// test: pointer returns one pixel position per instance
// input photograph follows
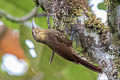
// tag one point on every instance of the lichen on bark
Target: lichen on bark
(97, 39)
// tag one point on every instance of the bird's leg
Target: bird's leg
(49, 27)
(48, 21)
(72, 35)
(51, 58)
(77, 41)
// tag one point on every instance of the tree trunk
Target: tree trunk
(99, 42)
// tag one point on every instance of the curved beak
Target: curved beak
(33, 24)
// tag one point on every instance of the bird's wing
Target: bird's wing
(63, 38)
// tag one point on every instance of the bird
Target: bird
(61, 45)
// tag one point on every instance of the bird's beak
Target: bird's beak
(33, 24)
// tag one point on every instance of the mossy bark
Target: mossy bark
(114, 20)
(92, 35)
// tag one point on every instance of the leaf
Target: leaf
(102, 6)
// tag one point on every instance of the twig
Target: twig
(30, 15)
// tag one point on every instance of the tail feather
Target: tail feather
(88, 65)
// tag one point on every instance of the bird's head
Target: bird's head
(38, 34)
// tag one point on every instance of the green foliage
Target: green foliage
(11, 9)
(19, 9)
(75, 72)
(102, 6)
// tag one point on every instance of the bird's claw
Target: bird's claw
(51, 58)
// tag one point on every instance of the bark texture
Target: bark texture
(97, 40)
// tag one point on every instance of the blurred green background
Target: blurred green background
(39, 67)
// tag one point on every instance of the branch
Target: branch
(93, 36)
(30, 15)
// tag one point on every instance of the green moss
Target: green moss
(95, 24)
